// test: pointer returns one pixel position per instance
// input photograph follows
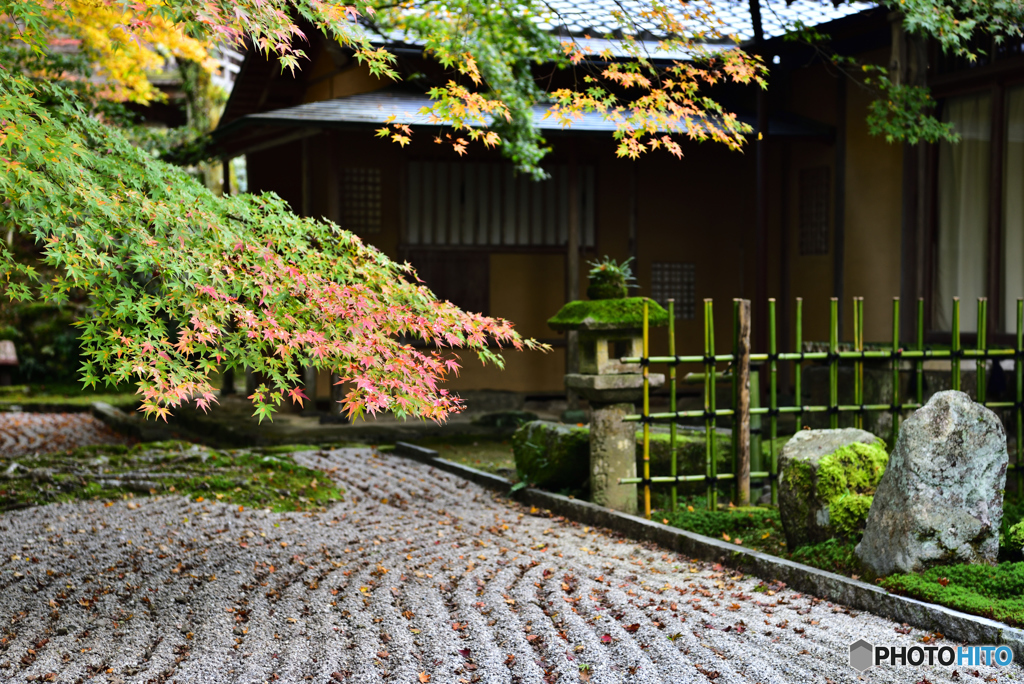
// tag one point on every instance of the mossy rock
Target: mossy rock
(827, 479)
(552, 455)
(608, 314)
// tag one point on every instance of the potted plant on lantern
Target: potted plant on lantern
(610, 280)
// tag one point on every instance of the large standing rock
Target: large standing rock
(941, 498)
(552, 455)
(826, 478)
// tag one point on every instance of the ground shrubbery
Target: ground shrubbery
(252, 478)
(995, 592)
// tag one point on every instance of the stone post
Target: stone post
(612, 455)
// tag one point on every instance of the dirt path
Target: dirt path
(417, 576)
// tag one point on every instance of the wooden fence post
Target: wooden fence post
(742, 375)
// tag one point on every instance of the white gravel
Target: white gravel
(416, 576)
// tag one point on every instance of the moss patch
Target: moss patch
(995, 592)
(242, 477)
(489, 455)
(123, 397)
(753, 527)
(834, 555)
(608, 314)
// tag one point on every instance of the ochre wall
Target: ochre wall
(872, 213)
(874, 177)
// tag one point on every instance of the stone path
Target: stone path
(29, 433)
(416, 577)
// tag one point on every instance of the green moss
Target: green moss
(246, 478)
(833, 555)
(608, 314)
(849, 514)
(755, 528)
(1016, 535)
(995, 592)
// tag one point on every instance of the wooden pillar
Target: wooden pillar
(761, 235)
(572, 275)
(995, 210)
(742, 437)
(839, 218)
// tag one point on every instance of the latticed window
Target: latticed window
(676, 281)
(466, 204)
(361, 200)
(814, 193)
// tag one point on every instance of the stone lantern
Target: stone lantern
(609, 330)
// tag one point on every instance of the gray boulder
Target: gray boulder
(552, 455)
(941, 498)
(826, 478)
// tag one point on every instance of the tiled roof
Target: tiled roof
(596, 17)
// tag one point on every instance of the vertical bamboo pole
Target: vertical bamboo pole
(919, 364)
(955, 346)
(672, 398)
(709, 405)
(647, 424)
(833, 364)
(741, 385)
(981, 362)
(1019, 369)
(798, 368)
(773, 399)
(858, 371)
(895, 369)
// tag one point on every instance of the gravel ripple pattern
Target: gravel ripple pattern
(24, 433)
(418, 576)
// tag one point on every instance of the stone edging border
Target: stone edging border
(962, 627)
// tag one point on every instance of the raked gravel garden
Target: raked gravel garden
(404, 574)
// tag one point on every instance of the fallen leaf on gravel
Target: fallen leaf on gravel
(734, 606)
(632, 628)
(383, 654)
(464, 652)
(606, 638)
(532, 637)
(424, 678)
(292, 620)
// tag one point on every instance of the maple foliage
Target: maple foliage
(122, 59)
(182, 281)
